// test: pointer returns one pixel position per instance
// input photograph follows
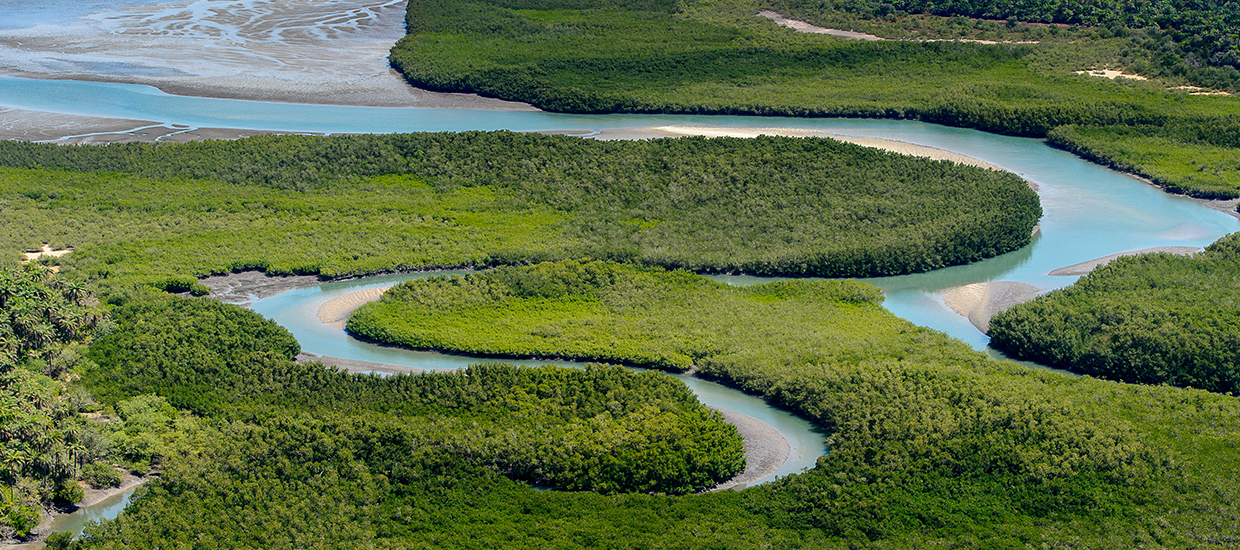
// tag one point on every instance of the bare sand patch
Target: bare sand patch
(981, 301)
(801, 26)
(765, 450)
(46, 251)
(335, 312)
(894, 146)
(1084, 268)
(1111, 74)
(1198, 90)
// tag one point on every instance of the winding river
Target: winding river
(1090, 211)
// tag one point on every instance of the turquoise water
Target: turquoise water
(296, 310)
(108, 508)
(1090, 211)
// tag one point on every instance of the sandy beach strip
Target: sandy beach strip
(765, 450)
(980, 301)
(335, 312)
(1084, 268)
(801, 26)
(904, 148)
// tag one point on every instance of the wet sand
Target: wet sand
(302, 51)
(765, 450)
(335, 313)
(26, 125)
(1084, 268)
(244, 287)
(980, 301)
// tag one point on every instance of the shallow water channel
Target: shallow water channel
(1090, 211)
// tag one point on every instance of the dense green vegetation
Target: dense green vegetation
(716, 56)
(932, 442)
(909, 409)
(1197, 32)
(1151, 319)
(48, 448)
(369, 204)
(1202, 161)
(601, 429)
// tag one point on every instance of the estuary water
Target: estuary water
(1090, 211)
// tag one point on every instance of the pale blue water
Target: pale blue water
(296, 311)
(21, 14)
(1090, 211)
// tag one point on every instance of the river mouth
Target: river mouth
(302, 51)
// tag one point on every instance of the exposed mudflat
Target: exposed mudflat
(245, 287)
(1084, 268)
(300, 51)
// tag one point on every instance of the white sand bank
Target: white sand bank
(981, 301)
(765, 450)
(801, 26)
(1084, 268)
(335, 312)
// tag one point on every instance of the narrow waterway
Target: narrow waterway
(1090, 211)
(296, 310)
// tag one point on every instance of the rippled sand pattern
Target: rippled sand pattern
(336, 312)
(308, 51)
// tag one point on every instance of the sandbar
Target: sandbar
(765, 450)
(981, 301)
(904, 148)
(1084, 268)
(335, 312)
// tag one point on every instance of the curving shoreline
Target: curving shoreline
(766, 450)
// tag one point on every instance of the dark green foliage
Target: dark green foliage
(1200, 160)
(926, 433)
(1206, 28)
(601, 429)
(39, 314)
(778, 206)
(1150, 319)
(101, 475)
(717, 57)
(41, 437)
